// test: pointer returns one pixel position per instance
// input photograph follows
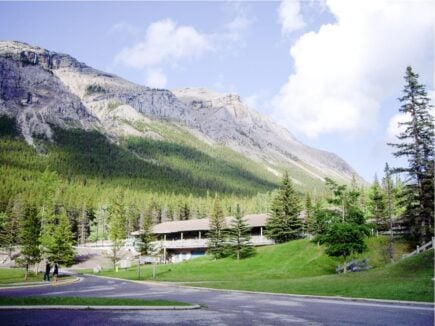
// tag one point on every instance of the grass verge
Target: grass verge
(410, 280)
(300, 267)
(16, 275)
(85, 301)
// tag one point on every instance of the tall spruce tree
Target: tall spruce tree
(377, 207)
(284, 223)
(416, 143)
(388, 189)
(217, 231)
(30, 229)
(239, 237)
(60, 247)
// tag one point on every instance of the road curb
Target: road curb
(76, 307)
(307, 296)
(42, 284)
(302, 296)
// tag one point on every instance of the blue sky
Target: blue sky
(329, 70)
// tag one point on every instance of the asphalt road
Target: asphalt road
(219, 308)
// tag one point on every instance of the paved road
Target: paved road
(219, 308)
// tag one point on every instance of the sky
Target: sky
(329, 70)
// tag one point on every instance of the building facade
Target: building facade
(184, 240)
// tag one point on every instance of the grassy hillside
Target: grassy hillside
(300, 267)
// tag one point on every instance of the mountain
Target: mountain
(45, 91)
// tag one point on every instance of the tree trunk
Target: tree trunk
(26, 273)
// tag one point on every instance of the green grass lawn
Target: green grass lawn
(300, 267)
(16, 275)
(85, 301)
(409, 279)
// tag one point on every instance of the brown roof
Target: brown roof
(202, 224)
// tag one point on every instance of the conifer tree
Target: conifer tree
(184, 212)
(117, 218)
(388, 188)
(29, 237)
(239, 236)
(284, 223)
(416, 143)
(9, 228)
(217, 234)
(377, 204)
(60, 249)
(146, 238)
(309, 223)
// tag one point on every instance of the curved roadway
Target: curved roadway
(218, 307)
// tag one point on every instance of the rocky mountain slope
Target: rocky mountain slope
(40, 88)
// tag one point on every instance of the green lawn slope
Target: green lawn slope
(301, 267)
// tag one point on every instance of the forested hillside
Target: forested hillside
(157, 175)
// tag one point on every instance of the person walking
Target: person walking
(55, 271)
(47, 271)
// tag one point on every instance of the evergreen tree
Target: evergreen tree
(29, 237)
(117, 232)
(60, 249)
(9, 228)
(416, 144)
(184, 212)
(388, 188)
(83, 225)
(377, 205)
(146, 238)
(239, 236)
(284, 223)
(309, 211)
(217, 234)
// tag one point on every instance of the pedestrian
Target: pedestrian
(55, 271)
(47, 271)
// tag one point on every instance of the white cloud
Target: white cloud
(168, 44)
(289, 16)
(156, 78)
(165, 42)
(343, 71)
(394, 128)
(124, 28)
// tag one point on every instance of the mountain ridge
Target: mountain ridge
(43, 87)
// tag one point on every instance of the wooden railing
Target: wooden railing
(419, 249)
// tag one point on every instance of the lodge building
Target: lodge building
(183, 240)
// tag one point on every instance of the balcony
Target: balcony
(203, 243)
